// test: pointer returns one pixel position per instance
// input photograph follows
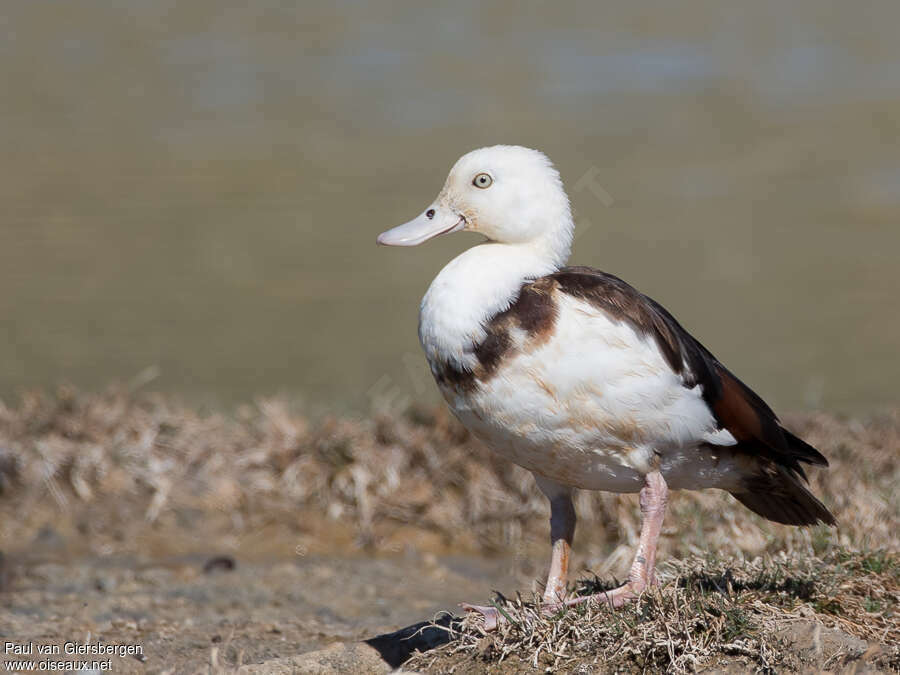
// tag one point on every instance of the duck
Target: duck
(578, 377)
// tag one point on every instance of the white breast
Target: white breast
(596, 406)
(471, 288)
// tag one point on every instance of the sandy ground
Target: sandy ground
(189, 613)
(216, 613)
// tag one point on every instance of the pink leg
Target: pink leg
(654, 496)
(642, 574)
(562, 531)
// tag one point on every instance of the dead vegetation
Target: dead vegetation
(708, 614)
(390, 480)
(118, 468)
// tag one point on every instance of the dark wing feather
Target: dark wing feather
(735, 406)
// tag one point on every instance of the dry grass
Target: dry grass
(387, 481)
(709, 613)
(116, 467)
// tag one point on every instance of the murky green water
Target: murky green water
(198, 189)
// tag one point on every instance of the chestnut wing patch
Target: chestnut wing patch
(534, 312)
(735, 406)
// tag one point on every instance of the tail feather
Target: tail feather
(776, 493)
(803, 450)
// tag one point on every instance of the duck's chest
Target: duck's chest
(570, 393)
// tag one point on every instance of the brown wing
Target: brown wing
(735, 406)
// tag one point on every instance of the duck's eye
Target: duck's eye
(482, 181)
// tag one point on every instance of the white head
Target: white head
(510, 194)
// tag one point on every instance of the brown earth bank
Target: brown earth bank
(266, 540)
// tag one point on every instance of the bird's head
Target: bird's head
(510, 194)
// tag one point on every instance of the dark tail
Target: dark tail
(776, 493)
(802, 450)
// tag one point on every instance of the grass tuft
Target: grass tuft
(708, 613)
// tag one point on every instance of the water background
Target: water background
(192, 190)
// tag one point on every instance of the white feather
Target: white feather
(597, 405)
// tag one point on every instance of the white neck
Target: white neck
(475, 286)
